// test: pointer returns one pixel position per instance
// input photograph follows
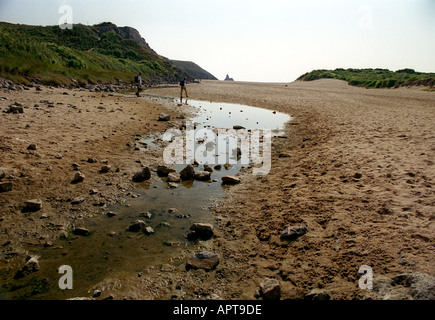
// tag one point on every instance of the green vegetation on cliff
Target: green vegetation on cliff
(87, 54)
(374, 78)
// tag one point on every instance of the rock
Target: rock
(105, 169)
(97, 293)
(80, 231)
(172, 185)
(164, 117)
(318, 294)
(202, 175)
(203, 260)
(137, 225)
(92, 160)
(187, 173)
(174, 177)
(77, 200)
(111, 214)
(201, 230)
(79, 177)
(33, 205)
(208, 168)
(148, 231)
(15, 108)
(6, 186)
(227, 166)
(238, 127)
(270, 289)
(218, 167)
(292, 233)
(172, 210)
(32, 265)
(164, 170)
(58, 156)
(32, 147)
(93, 191)
(147, 215)
(230, 180)
(143, 175)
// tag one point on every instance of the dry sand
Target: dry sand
(356, 165)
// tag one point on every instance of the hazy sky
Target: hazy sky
(259, 40)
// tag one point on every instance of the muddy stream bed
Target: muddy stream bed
(111, 249)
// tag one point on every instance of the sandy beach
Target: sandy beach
(355, 165)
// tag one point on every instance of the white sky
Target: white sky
(262, 40)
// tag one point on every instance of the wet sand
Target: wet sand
(356, 166)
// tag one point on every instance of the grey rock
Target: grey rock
(148, 230)
(33, 205)
(174, 177)
(31, 266)
(80, 231)
(203, 260)
(164, 117)
(77, 200)
(143, 175)
(230, 180)
(294, 232)
(79, 177)
(187, 173)
(318, 294)
(164, 170)
(208, 168)
(202, 175)
(201, 230)
(105, 169)
(137, 225)
(270, 289)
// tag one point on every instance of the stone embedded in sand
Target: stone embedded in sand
(16, 107)
(187, 173)
(164, 117)
(33, 205)
(106, 168)
(77, 200)
(137, 225)
(292, 233)
(201, 230)
(6, 186)
(32, 146)
(143, 175)
(230, 180)
(80, 231)
(148, 230)
(164, 170)
(270, 289)
(203, 260)
(202, 175)
(174, 177)
(79, 177)
(32, 265)
(92, 160)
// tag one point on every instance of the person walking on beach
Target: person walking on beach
(139, 84)
(183, 85)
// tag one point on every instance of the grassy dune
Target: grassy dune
(374, 78)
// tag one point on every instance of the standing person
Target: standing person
(183, 85)
(139, 84)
